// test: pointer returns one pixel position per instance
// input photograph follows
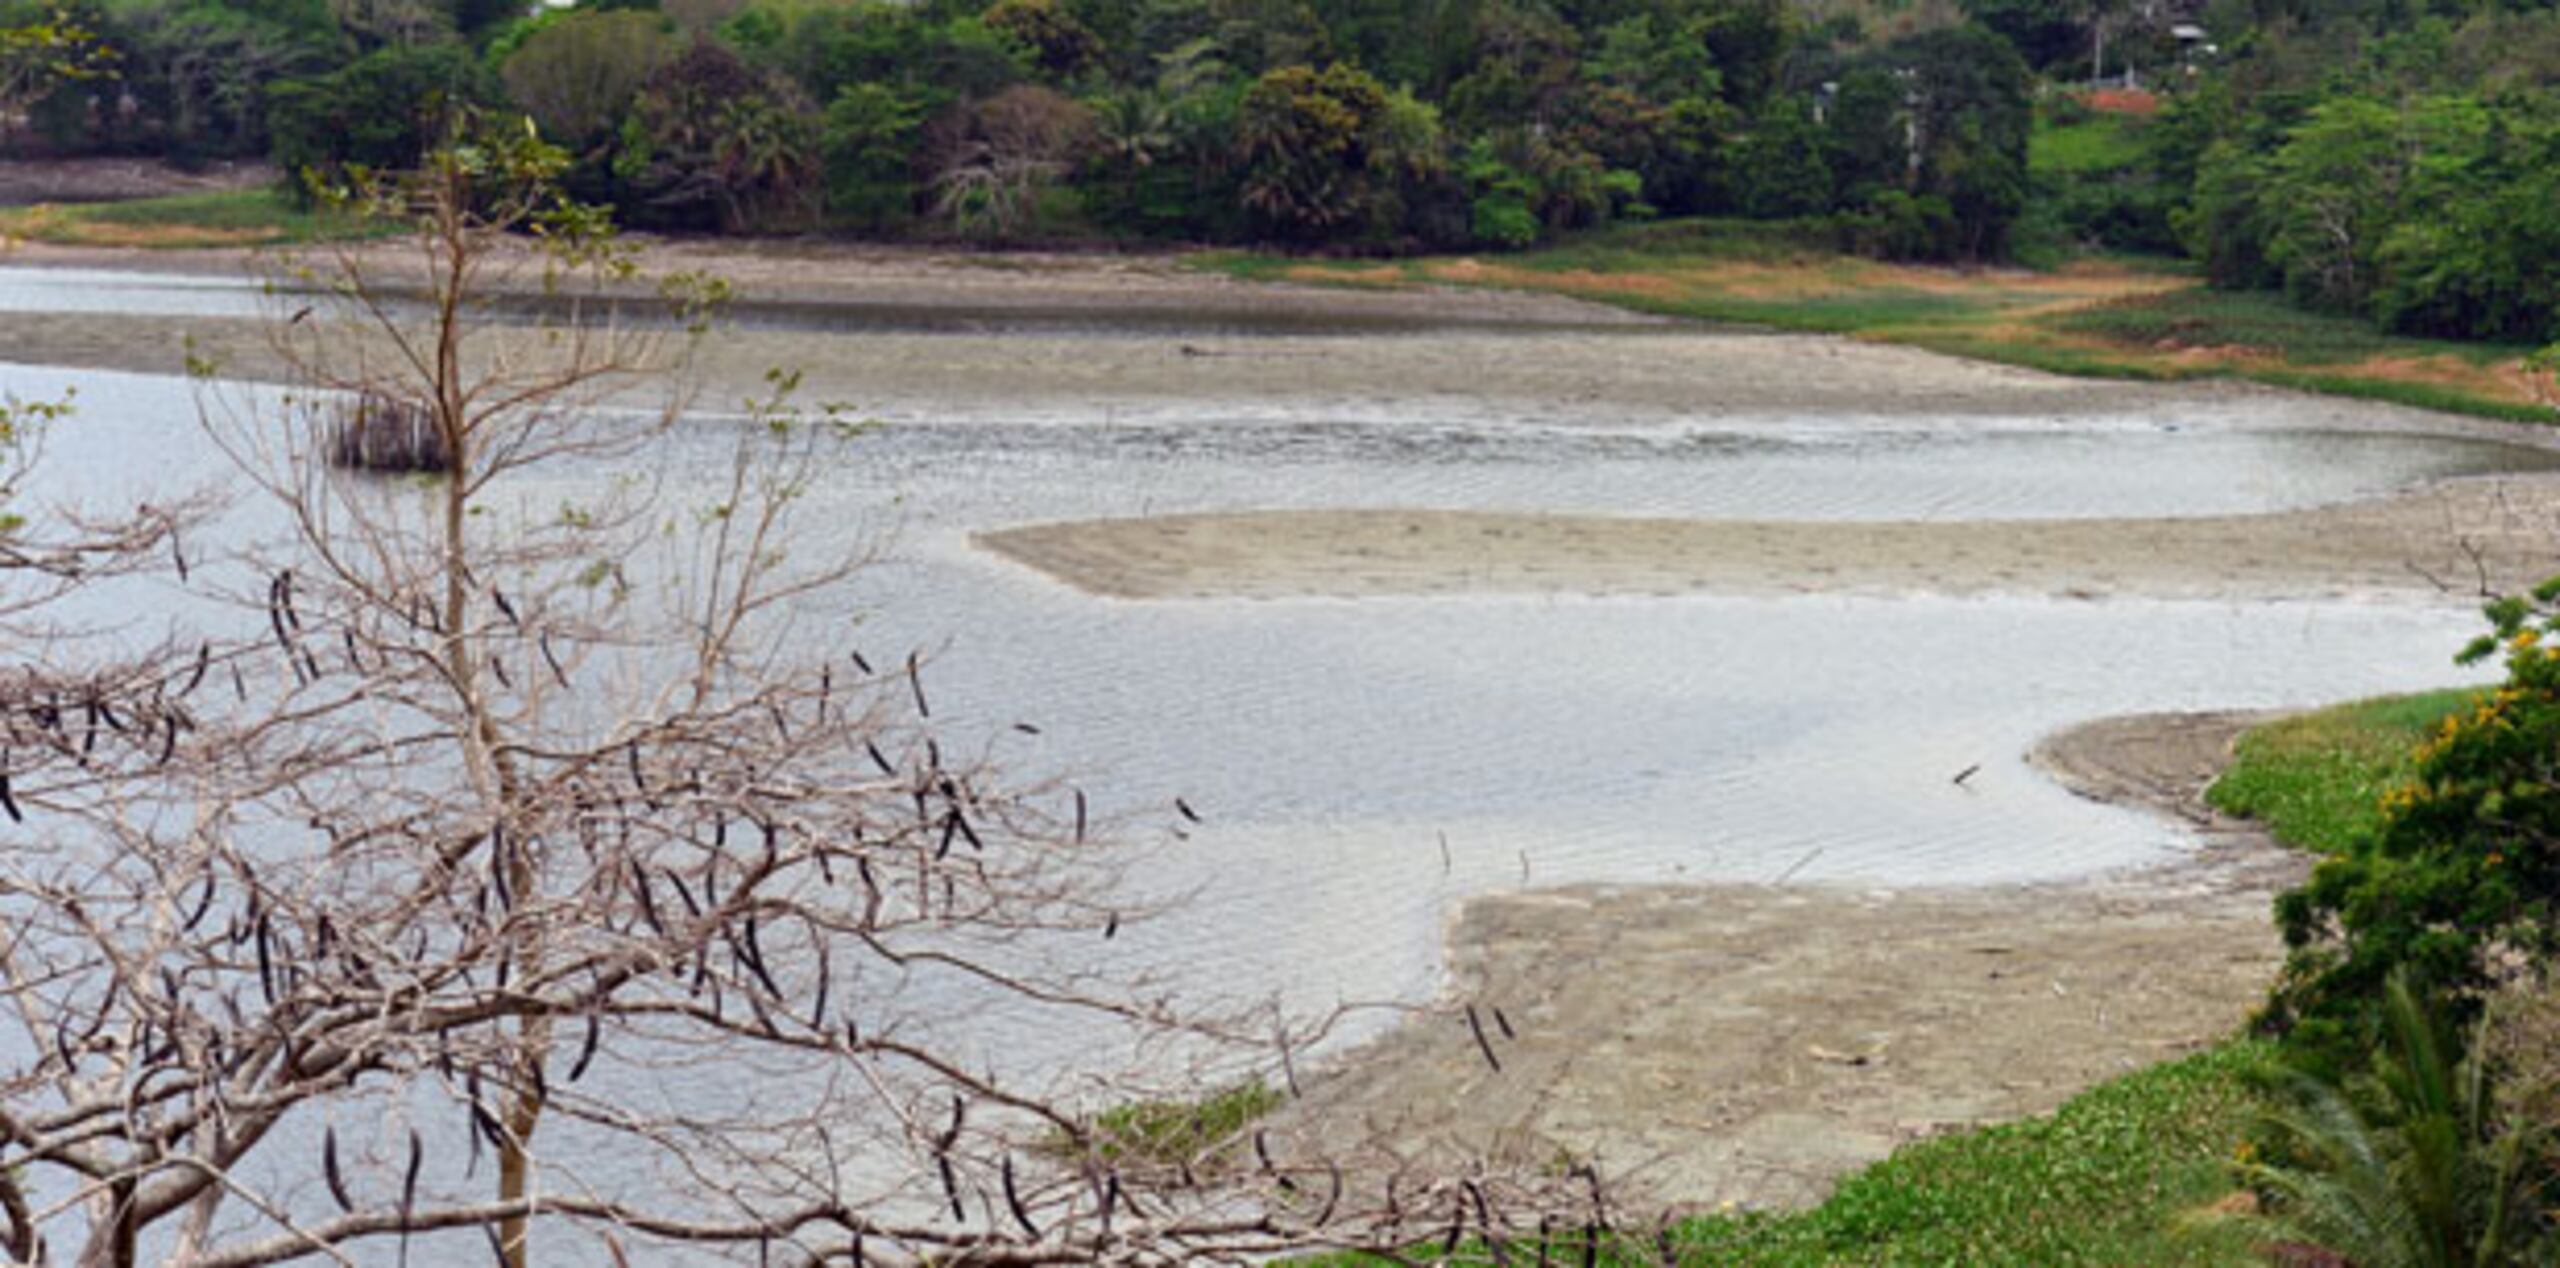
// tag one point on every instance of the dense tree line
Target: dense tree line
(2398, 159)
(2392, 159)
(1332, 123)
(2408, 171)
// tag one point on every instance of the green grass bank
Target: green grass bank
(2316, 780)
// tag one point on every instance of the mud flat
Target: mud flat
(2455, 537)
(1367, 361)
(940, 331)
(1752, 1044)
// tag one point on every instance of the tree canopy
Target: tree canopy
(2393, 159)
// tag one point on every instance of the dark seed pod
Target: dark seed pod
(204, 661)
(586, 1049)
(1013, 1199)
(951, 1189)
(648, 904)
(329, 1171)
(1475, 1026)
(409, 1191)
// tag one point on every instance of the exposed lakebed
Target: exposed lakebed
(1364, 764)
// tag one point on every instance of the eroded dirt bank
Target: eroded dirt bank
(1752, 1044)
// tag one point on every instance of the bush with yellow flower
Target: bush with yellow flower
(2462, 884)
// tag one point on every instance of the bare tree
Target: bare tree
(991, 159)
(490, 873)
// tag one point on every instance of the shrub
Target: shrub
(2464, 878)
(577, 75)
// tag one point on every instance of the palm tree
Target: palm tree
(2409, 1166)
(1133, 128)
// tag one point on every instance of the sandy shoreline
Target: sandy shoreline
(1751, 1044)
(854, 275)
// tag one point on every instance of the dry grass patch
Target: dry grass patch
(1379, 275)
(2504, 380)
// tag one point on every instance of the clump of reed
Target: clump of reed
(373, 432)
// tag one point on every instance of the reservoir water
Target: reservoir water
(1361, 765)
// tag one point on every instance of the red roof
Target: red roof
(2121, 101)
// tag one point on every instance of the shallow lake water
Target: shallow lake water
(1361, 765)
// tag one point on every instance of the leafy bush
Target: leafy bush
(578, 74)
(1778, 168)
(1062, 44)
(713, 143)
(2464, 877)
(1897, 226)
(2434, 215)
(1177, 1132)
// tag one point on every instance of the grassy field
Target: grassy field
(2317, 780)
(217, 218)
(2092, 144)
(2098, 317)
(2125, 1173)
